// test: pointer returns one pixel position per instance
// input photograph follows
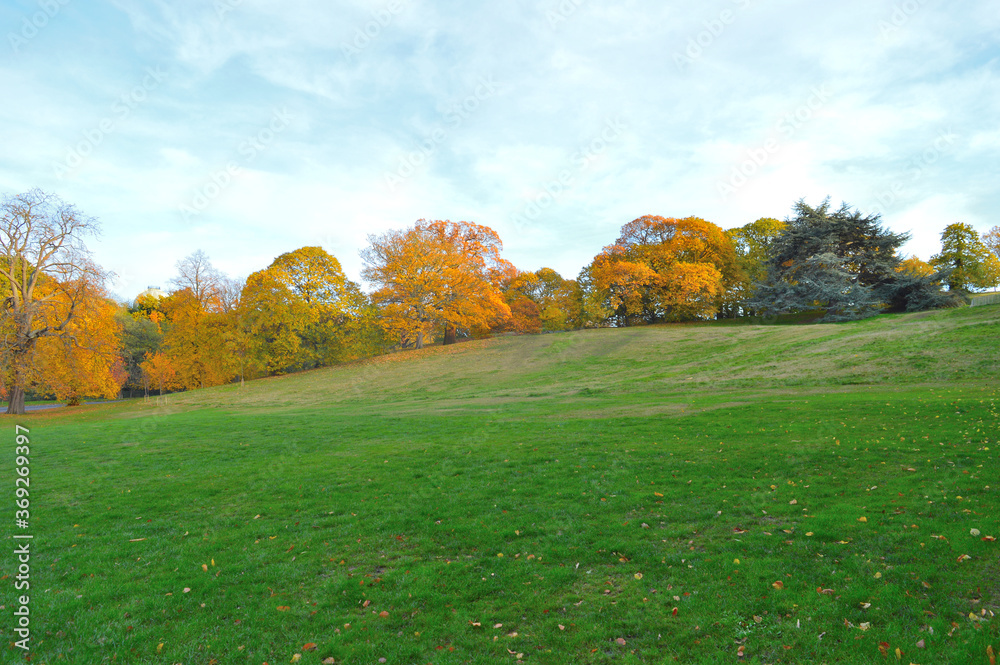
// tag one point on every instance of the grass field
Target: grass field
(712, 493)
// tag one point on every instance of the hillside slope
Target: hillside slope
(659, 365)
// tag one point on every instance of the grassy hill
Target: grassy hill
(711, 493)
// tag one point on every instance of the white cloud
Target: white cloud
(358, 111)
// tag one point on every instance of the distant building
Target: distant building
(153, 291)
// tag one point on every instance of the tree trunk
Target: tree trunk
(15, 407)
(420, 339)
(450, 334)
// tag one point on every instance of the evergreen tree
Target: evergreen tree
(842, 262)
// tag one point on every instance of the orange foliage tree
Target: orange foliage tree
(557, 301)
(86, 360)
(47, 285)
(194, 343)
(525, 314)
(916, 267)
(437, 275)
(663, 269)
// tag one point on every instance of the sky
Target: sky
(247, 129)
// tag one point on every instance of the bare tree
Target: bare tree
(197, 273)
(230, 291)
(47, 273)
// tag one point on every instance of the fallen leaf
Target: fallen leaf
(964, 557)
(638, 576)
(562, 627)
(992, 657)
(204, 567)
(779, 585)
(864, 626)
(366, 603)
(159, 647)
(926, 585)
(383, 614)
(878, 576)
(674, 613)
(329, 661)
(921, 644)
(187, 589)
(311, 646)
(621, 641)
(793, 502)
(988, 539)
(739, 652)
(657, 494)
(899, 654)
(296, 658)
(883, 648)
(283, 608)
(862, 519)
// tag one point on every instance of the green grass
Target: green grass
(620, 473)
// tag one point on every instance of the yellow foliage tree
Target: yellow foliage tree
(86, 360)
(916, 267)
(194, 342)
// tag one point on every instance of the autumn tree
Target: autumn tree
(559, 300)
(141, 336)
(913, 265)
(437, 276)
(336, 307)
(752, 243)
(194, 342)
(302, 312)
(86, 362)
(48, 282)
(525, 314)
(971, 262)
(197, 274)
(992, 240)
(275, 320)
(844, 263)
(665, 269)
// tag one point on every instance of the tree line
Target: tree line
(434, 282)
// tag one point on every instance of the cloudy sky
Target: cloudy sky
(248, 128)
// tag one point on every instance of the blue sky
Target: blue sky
(247, 128)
